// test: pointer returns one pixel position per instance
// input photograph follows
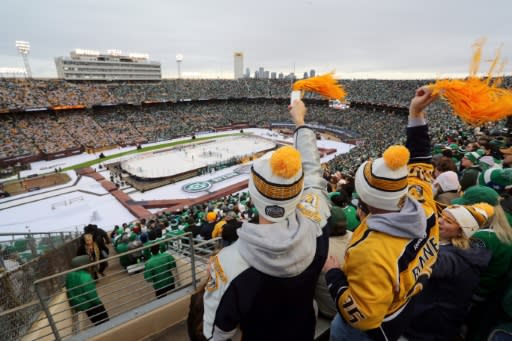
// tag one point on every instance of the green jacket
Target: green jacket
(147, 252)
(81, 290)
(352, 220)
(499, 265)
(158, 270)
(123, 260)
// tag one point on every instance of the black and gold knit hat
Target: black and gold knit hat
(276, 183)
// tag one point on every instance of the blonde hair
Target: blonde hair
(462, 241)
(501, 226)
(88, 237)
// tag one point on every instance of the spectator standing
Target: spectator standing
(81, 292)
(102, 239)
(441, 307)
(158, 270)
(264, 282)
(229, 232)
(208, 225)
(89, 247)
(377, 283)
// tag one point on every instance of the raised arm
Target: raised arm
(305, 142)
(418, 143)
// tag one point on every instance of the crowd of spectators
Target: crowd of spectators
(45, 132)
(181, 111)
(33, 93)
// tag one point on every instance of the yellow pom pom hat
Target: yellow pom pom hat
(383, 182)
(276, 183)
(471, 218)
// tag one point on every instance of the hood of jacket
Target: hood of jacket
(409, 222)
(282, 249)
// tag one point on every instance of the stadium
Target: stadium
(158, 152)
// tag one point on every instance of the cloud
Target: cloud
(353, 37)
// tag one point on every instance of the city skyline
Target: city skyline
(365, 39)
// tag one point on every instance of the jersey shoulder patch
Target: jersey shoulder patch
(216, 274)
(308, 206)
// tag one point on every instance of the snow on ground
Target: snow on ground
(67, 207)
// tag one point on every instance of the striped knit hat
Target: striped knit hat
(471, 218)
(382, 183)
(276, 183)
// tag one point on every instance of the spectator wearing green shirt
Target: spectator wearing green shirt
(158, 270)
(341, 199)
(81, 292)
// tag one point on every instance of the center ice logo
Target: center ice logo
(197, 186)
(200, 186)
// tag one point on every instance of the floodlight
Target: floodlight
(23, 48)
(179, 59)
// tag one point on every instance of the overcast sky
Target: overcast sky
(357, 38)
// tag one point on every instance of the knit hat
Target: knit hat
(211, 217)
(496, 178)
(472, 156)
(471, 218)
(276, 183)
(383, 182)
(448, 181)
(476, 194)
(486, 162)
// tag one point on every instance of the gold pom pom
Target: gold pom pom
(285, 162)
(396, 156)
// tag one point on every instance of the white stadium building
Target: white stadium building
(93, 65)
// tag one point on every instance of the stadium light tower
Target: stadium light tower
(23, 48)
(179, 59)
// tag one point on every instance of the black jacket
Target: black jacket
(440, 309)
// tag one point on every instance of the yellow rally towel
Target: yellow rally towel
(324, 85)
(477, 100)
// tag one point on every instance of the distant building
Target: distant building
(92, 65)
(239, 64)
(312, 73)
(281, 76)
(261, 72)
(305, 75)
(266, 74)
(291, 75)
(273, 75)
(256, 74)
(247, 73)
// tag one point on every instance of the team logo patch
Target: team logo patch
(274, 211)
(308, 206)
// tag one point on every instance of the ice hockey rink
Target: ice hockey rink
(182, 159)
(82, 201)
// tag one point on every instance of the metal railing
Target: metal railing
(19, 304)
(19, 248)
(120, 292)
